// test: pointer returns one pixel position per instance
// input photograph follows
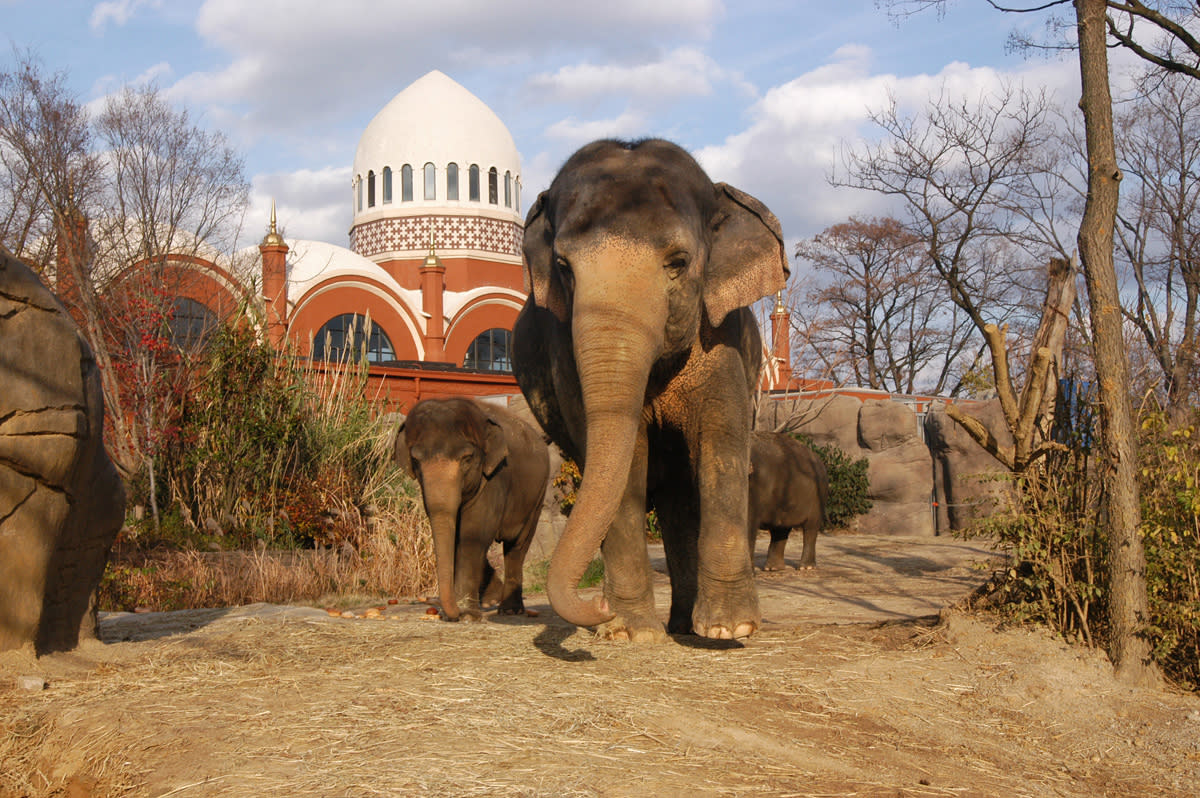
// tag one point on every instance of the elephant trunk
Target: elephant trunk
(614, 351)
(443, 549)
(442, 499)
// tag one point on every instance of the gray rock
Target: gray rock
(61, 500)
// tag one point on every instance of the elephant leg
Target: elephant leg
(470, 565)
(779, 539)
(512, 601)
(628, 578)
(493, 586)
(677, 509)
(808, 557)
(726, 596)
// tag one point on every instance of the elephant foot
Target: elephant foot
(511, 610)
(728, 613)
(619, 629)
(774, 567)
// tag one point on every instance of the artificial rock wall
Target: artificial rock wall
(61, 500)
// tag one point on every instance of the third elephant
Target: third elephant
(789, 489)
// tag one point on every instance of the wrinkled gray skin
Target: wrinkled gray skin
(483, 475)
(638, 355)
(789, 489)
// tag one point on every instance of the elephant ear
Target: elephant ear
(495, 447)
(538, 249)
(400, 454)
(747, 259)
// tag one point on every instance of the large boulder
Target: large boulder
(899, 469)
(61, 500)
(968, 481)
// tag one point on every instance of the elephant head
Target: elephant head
(450, 447)
(638, 255)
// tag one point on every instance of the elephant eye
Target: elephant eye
(565, 271)
(676, 265)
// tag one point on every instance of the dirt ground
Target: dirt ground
(854, 686)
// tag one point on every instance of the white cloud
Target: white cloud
(576, 133)
(309, 203)
(686, 71)
(118, 12)
(786, 153)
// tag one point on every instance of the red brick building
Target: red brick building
(431, 283)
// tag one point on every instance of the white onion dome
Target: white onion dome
(435, 121)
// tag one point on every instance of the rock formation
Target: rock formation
(61, 500)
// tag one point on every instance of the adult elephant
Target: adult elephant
(638, 355)
(789, 489)
(483, 475)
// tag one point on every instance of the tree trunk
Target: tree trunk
(1128, 606)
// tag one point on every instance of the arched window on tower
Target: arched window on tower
(452, 181)
(430, 182)
(508, 189)
(491, 351)
(493, 186)
(473, 183)
(371, 189)
(387, 184)
(358, 193)
(345, 338)
(406, 180)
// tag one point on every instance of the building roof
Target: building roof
(435, 120)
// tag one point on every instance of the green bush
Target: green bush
(848, 483)
(1170, 494)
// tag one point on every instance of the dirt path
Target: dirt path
(850, 688)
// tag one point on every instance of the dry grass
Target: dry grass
(393, 558)
(308, 706)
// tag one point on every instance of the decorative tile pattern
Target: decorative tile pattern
(449, 232)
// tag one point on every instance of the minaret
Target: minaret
(781, 342)
(274, 282)
(433, 285)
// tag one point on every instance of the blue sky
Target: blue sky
(764, 92)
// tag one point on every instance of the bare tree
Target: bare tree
(1158, 225)
(46, 144)
(875, 314)
(129, 202)
(1160, 34)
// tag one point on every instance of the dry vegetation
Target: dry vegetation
(267, 700)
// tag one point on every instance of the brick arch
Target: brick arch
(478, 316)
(185, 276)
(335, 297)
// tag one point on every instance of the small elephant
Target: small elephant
(639, 355)
(483, 475)
(789, 489)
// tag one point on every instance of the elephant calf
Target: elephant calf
(483, 474)
(789, 488)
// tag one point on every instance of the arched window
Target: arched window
(517, 195)
(491, 351)
(358, 192)
(452, 181)
(493, 187)
(473, 183)
(191, 324)
(346, 338)
(387, 184)
(430, 182)
(371, 189)
(508, 189)
(406, 191)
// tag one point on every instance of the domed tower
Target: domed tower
(437, 204)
